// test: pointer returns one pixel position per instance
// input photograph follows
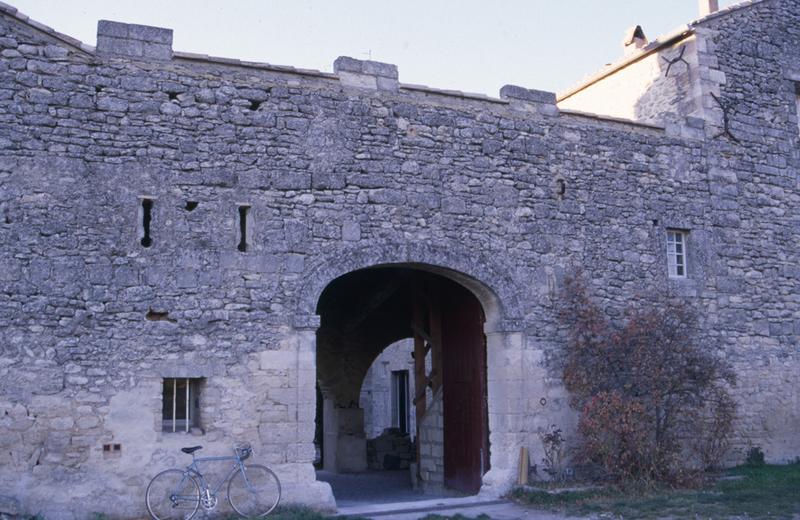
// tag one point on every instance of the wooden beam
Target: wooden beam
(425, 351)
(435, 323)
(420, 351)
(428, 384)
(419, 331)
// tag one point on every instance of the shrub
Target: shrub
(553, 446)
(654, 403)
(755, 457)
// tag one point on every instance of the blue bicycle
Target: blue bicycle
(253, 490)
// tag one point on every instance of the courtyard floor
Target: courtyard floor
(371, 487)
(388, 495)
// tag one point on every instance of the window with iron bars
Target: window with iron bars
(180, 410)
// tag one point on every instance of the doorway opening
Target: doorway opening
(389, 417)
(401, 369)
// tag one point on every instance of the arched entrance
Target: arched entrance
(364, 311)
(516, 377)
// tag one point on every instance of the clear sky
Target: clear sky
(468, 45)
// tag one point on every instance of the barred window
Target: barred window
(180, 404)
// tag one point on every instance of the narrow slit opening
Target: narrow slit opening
(255, 105)
(147, 216)
(158, 316)
(243, 210)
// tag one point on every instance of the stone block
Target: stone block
(137, 41)
(157, 51)
(305, 322)
(376, 68)
(351, 231)
(350, 421)
(61, 423)
(328, 180)
(56, 52)
(367, 67)
(295, 263)
(358, 80)
(147, 33)
(112, 29)
(387, 84)
(119, 46)
(366, 74)
(347, 64)
(525, 94)
(87, 422)
(351, 454)
(112, 104)
(277, 359)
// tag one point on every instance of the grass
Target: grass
(301, 513)
(304, 513)
(296, 513)
(763, 492)
(456, 517)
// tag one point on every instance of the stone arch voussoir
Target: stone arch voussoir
(494, 283)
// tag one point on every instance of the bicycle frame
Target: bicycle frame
(257, 494)
(194, 470)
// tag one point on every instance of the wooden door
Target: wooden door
(466, 440)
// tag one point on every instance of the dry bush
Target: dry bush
(653, 400)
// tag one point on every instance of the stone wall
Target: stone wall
(754, 180)
(376, 391)
(346, 171)
(748, 110)
(431, 446)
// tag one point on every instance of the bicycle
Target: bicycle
(253, 490)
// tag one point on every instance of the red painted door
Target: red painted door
(466, 440)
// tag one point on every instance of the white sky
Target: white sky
(469, 45)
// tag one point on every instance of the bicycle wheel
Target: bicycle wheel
(173, 494)
(254, 493)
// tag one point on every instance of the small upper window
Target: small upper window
(180, 404)
(797, 101)
(676, 253)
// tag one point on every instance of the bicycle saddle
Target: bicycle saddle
(191, 449)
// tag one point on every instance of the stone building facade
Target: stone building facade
(241, 232)
(379, 392)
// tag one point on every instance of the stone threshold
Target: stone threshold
(417, 506)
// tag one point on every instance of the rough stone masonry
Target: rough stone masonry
(167, 216)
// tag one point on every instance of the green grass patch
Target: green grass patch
(456, 517)
(763, 492)
(300, 513)
(294, 513)
(304, 513)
